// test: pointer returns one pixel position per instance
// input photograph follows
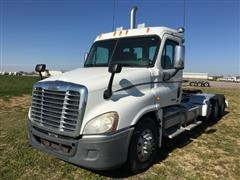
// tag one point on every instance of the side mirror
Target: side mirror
(179, 57)
(115, 68)
(40, 68)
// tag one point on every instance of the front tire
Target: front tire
(143, 147)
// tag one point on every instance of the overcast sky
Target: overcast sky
(59, 32)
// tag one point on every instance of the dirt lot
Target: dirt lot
(224, 85)
(211, 151)
(220, 85)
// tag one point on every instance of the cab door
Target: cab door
(169, 90)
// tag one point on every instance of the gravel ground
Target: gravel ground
(219, 85)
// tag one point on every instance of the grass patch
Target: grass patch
(16, 85)
(210, 151)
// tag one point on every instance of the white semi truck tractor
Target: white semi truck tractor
(119, 106)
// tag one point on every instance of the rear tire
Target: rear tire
(206, 84)
(143, 147)
(221, 108)
(191, 83)
(215, 111)
(200, 84)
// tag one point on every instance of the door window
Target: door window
(168, 54)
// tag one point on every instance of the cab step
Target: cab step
(193, 125)
(175, 133)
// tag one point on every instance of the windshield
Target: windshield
(133, 52)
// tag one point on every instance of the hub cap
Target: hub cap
(145, 145)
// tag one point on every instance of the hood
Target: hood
(96, 78)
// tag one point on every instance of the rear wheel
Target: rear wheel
(191, 83)
(143, 147)
(206, 84)
(221, 108)
(200, 84)
(215, 111)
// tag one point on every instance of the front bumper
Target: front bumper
(101, 152)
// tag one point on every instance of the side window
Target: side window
(101, 55)
(168, 54)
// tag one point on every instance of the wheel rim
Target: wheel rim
(145, 145)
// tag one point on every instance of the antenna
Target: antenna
(114, 11)
(184, 13)
(1, 39)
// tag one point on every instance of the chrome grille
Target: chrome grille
(58, 107)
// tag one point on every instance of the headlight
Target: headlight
(103, 123)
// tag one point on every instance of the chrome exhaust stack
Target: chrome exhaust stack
(133, 17)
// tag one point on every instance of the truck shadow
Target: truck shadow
(168, 146)
(128, 89)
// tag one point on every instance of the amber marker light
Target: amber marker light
(157, 98)
(148, 29)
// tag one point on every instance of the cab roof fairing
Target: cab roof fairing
(146, 31)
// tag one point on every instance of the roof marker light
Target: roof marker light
(119, 28)
(148, 29)
(141, 25)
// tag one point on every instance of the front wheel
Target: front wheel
(143, 147)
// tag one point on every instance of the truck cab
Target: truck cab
(117, 108)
